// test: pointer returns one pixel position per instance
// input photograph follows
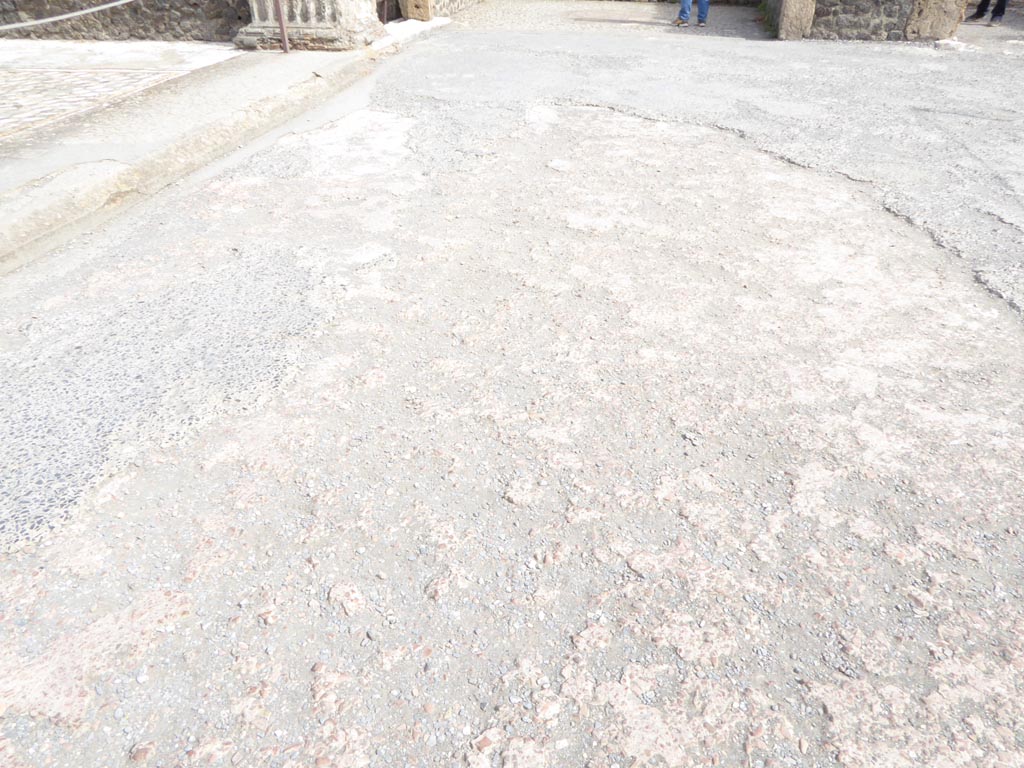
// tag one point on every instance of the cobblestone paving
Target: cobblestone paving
(33, 97)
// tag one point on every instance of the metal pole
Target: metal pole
(280, 23)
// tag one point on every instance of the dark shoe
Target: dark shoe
(702, 23)
(975, 17)
(995, 21)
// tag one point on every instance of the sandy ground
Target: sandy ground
(490, 417)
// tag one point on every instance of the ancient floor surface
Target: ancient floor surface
(42, 81)
(533, 405)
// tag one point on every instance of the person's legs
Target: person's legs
(999, 10)
(703, 5)
(980, 11)
(685, 5)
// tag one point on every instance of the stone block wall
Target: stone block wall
(451, 7)
(864, 19)
(860, 19)
(142, 20)
(8, 12)
(217, 20)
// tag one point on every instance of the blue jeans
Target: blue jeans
(702, 9)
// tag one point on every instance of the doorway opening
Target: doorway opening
(388, 10)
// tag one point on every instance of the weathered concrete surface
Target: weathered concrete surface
(933, 133)
(502, 414)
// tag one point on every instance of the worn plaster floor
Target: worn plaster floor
(42, 81)
(501, 413)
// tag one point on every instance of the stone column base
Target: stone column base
(302, 38)
(934, 19)
(421, 10)
(312, 25)
(795, 19)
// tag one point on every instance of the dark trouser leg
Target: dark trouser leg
(981, 10)
(999, 10)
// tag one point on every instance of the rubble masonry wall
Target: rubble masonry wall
(141, 20)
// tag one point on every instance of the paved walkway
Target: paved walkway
(555, 397)
(46, 80)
